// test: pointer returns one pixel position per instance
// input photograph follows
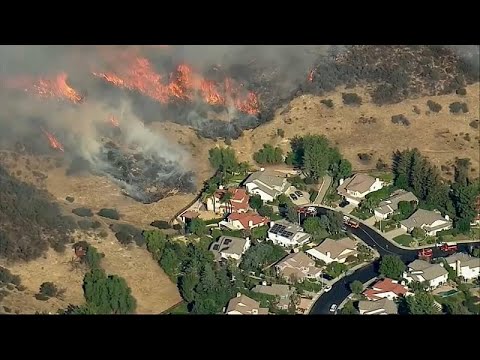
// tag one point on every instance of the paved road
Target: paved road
(340, 290)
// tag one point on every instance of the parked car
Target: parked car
(327, 288)
(298, 193)
(293, 196)
(333, 308)
(344, 203)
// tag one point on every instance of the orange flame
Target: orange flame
(139, 75)
(54, 143)
(113, 120)
(47, 88)
(310, 75)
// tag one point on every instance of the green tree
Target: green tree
(356, 287)
(392, 266)
(197, 226)
(255, 202)
(155, 241)
(315, 158)
(335, 221)
(108, 294)
(452, 274)
(223, 160)
(48, 289)
(401, 168)
(335, 269)
(292, 213)
(170, 262)
(456, 308)
(265, 210)
(344, 169)
(312, 225)
(417, 286)
(260, 255)
(406, 208)
(187, 285)
(418, 233)
(93, 257)
(464, 202)
(296, 156)
(349, 309)
(268, 155)
(260, 232)
(422, 303)
(208, 281)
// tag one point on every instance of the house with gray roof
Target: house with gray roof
(355, 188)
(390, 206)
(267, 185)
(380, 307)
(230, 247)
(422, 271)
(465, 265)
(287, 234)
(334, 250)
(298, 267)
(280, 291)
(243, 305)
(430, 221)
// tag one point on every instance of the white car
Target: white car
(333, 308)
(327, 288)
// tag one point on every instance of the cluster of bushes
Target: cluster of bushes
(364, 157)
(89, 255)
(85, 224)
(400, 120)
(6, 277)
(109, 214)
(457, 107)
(160, 224)
(268, 155)
(474, 124)
(126, 234)
(83, 212)
(30, 220)
(49, 290)
(351, 99)
(433, 106)
(327, 102)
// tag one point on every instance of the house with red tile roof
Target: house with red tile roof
(237, 201)
(386, 288)
(244, 221)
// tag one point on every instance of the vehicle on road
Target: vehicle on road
(293, 197)
(343, 204)
(298, 193)
(425, 254)
(333, 308)
(327, 288)
(350, 222)
(449, 248)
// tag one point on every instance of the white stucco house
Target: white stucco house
(386, 288)
(298, 267)
(268, 186)
(238, 201)
(433, 275)
(230, 247)
(390, 206)
(381, 307)
(355, 188)
(244, 221)
(287, 234)
(465, 265)
(334, 250)
(430, 221)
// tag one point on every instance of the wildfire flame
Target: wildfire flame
(139, 75)
(47, 88)
(54, 143)
(113, 120)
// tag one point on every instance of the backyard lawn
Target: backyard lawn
(361, 214)
(404, 239)
(179, 309)
(383, 175)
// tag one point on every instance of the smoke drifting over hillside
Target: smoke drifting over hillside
(77, 98)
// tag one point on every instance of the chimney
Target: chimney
(239, 294)
(447, 217)
(250, 223)
(377, 180)
(264, 283)
(262, 169)
(254, 311)
(458, 268)
(220, 187)
(272, 223)
(341, 181)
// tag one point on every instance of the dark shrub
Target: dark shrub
(327, 102)
(457, 107)
(177, 227)
(48, 289)
(96, 224)
(433, 106)
(161, 224)
(228, 141)
(281, 133)
(70, 199)
(6, 277)
(109, 213)
(309, 181)
(462, 91)
(351, 99)
(364, 157)
(474, 124)
(124, 238)
(400, 120)
(381, 166)
(103, 234)
(41, 297)
(83, 212)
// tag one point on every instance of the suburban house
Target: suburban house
(268, 186)
(390, 206)
(282, 292)
(298, 266)
(229, 247)
(383, 306)
(355, 188)
(433, 275)
(285, 233)
(188, 216)
(244, 221)
(386, 288)
(465, 265)
(243, 305)
(430, 221)
(304, 305)
(238, 201)
(334, 250)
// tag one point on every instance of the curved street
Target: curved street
(340, 290)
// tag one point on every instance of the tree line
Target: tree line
(414, 172)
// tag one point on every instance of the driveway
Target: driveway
(322, 189)
(302, 200)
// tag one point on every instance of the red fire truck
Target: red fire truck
(425, 254)
(350, 222)
(449, 248)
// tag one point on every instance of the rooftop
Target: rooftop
(358, 182)
(334, 247)
(423, 217)
(245, 218)
(429, 271)
(296, 260)
(380, 307)
(267, 178)
(285, 228)
(228, 245)
(383, 286)
(465, 260)
(391, 204)
(245, 305)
